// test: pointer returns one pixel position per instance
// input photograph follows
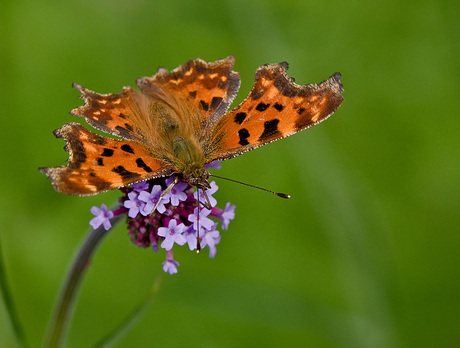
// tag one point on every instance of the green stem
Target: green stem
(59, 321)
(113, 337)
(9, 305)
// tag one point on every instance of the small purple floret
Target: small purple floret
(205, 222)
(214, 165)
(102, 217)
(172, 234)
(209, 193)
(225, 215)
(151, 199)
(140, 186)
(211, 238)
(176, 194)
(170, 266)
(190, 236)
(133, 204)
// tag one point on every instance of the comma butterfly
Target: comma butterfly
(178, 123)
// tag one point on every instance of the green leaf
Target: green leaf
(112, 337)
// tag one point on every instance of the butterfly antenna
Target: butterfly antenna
(279, 194)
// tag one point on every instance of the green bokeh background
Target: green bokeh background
(367, 251)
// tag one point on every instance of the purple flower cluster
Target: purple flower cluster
(175, 220)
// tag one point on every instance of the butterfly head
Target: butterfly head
(198, 178)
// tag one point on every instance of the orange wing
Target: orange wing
(275, 108)
(111, 113)
(210, 87)
(97, 164)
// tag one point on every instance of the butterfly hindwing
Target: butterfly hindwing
(275, 108)
(97, 164)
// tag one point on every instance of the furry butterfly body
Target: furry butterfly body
(178, 122)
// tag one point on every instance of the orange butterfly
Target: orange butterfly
(178, 123)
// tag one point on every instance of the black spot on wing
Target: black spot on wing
(99, 161)
(240, 117)
(107, 153)
(121, 129)
(192, 94)
(129, 127)
(125, 174)
(127, 148)
(122, 115)
(300, 111)
(141, 164)
(278, 107)
(270, 130)
(262, 107)
(215, 102)
(244, 135)
(203, 105)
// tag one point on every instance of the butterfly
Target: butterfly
(177, 123)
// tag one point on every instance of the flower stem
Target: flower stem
(60, 318)
(7, 298)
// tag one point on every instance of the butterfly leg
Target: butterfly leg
(198, 245)
(169, 188)
(207, 205)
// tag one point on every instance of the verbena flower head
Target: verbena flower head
(175, 220)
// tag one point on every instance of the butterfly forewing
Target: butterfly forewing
(275, 108)
(210, 87)
(114, 114)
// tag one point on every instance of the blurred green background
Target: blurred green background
(365, 254)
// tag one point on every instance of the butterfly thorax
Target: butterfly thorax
(178, 141)
(189, 162)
